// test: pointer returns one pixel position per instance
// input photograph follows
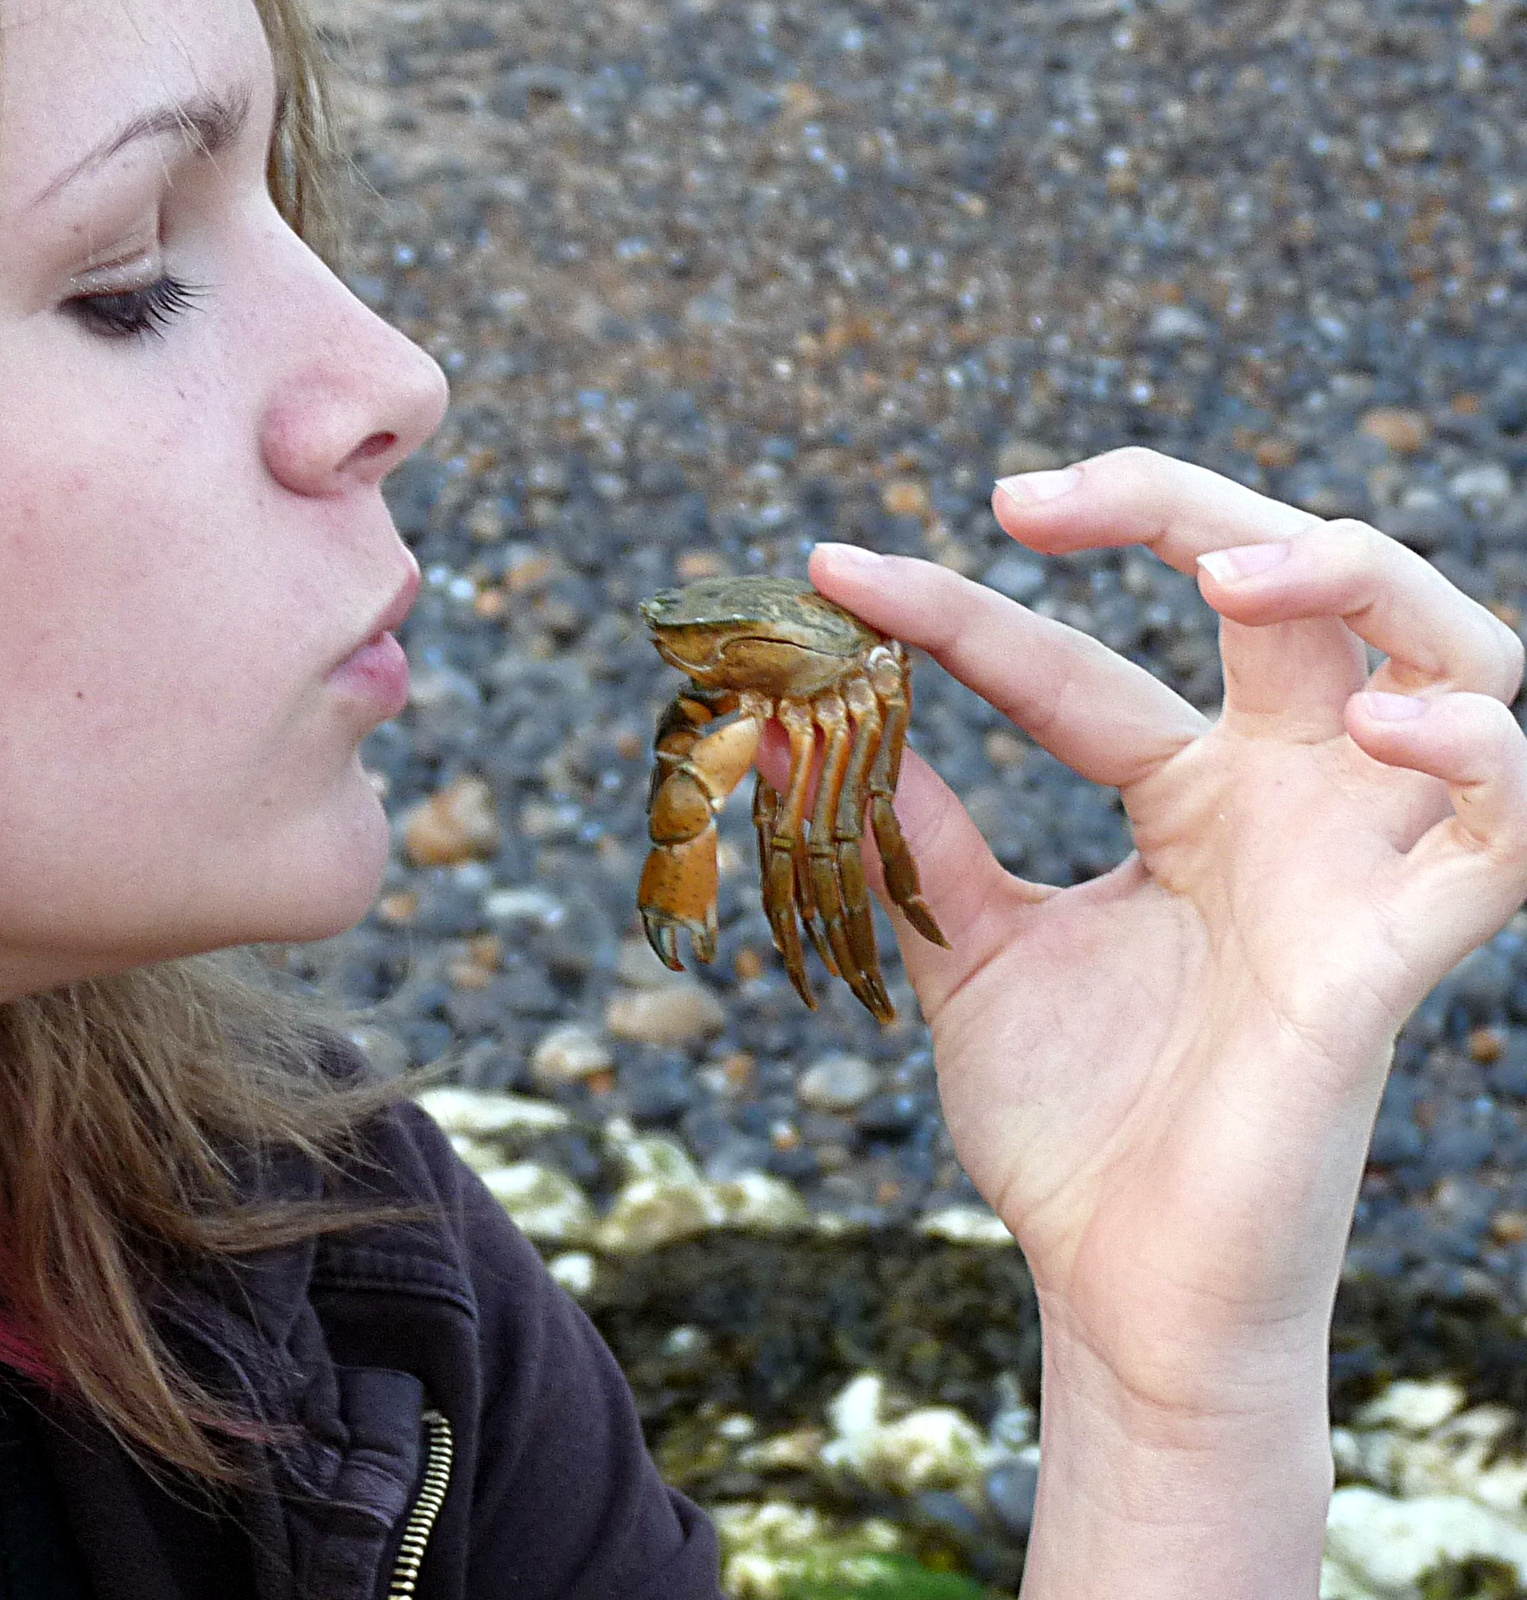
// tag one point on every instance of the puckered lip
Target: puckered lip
(392, 617)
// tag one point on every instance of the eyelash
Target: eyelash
(132, 313)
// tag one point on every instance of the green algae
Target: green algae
(1476, 1579)
(882, 1578)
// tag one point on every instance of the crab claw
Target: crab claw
(678, 890)
(664, 939)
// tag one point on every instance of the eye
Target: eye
(130, 313)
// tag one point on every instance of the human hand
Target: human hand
(1164, 1080)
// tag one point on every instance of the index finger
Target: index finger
(1105, 717)
(1178, 510)
(1339, 576)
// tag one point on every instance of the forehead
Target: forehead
(72, 70)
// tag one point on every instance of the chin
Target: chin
(330, 881)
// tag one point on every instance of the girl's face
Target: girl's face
(195, 420)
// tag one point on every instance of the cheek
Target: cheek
(122, 638)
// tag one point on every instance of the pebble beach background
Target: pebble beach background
(715, 279)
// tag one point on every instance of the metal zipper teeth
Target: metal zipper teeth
(416, 1532)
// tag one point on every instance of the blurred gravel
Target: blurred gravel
(715, 281)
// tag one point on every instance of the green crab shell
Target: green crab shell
(775, 635)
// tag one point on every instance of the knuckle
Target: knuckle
(1138, 463)
(1513, 657)
(1354, 537)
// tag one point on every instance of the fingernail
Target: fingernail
(1392, 707)
(1029, 488)
(851, 557)
(1243, 560)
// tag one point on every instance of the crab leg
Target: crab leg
(889, 673)
(848, 827)
(786, 835)
(680, 727)
(767, 801)
(864, 980)
(679, 882)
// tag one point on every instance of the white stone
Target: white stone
(567, 1054)
(482, 1114)
(640, 967)
(1336, 1583)
(837, 1082)
(650, 1213)
(479, 1156)
(770, 1548)
(757, 1203)
(1460, 1457)
(1486, 481)
(507, 906)
(797, 1451)
(678, 1013)
(1415, 1406)
(1390, 1545)
(965, 1225)
(653, 1155)
(933, 1447)
(544, 1204)
(1174, 324)
(575, 1270)
(1014, 1423)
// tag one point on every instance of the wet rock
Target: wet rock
(1396, 1137)
(1480, 983)
(737, 1155)
(1508, 1073)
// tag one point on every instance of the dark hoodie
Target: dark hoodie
(453, 1412)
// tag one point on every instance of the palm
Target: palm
(1096, 1008)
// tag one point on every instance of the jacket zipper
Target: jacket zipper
(416, 1532)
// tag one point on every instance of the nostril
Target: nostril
(377, 445)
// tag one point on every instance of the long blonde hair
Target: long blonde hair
(122, 1099)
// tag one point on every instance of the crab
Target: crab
(757, 649)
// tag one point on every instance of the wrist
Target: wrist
(1216, 1487)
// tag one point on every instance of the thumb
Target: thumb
(960, 879)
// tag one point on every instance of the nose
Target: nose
(359, 397)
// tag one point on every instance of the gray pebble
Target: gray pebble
(1011, 1487)
(837, 1083)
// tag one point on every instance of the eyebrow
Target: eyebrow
(205, 124)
